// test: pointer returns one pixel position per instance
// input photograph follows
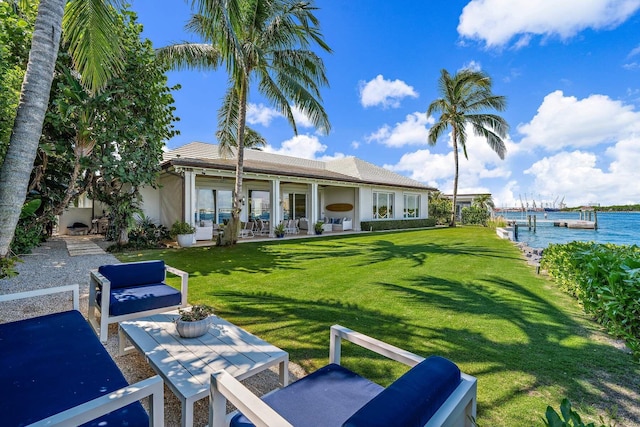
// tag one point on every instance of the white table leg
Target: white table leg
(284, 372)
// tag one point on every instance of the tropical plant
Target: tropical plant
(474, 215)
(439, 207)
(266, 41)
(464, 99)
(90, 29)
(279, 230)
(568, 417)
(181, 227)
(317, 227)
(197, 312)
(484, 201)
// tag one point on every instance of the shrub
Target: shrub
(181, 227)
(605, 278)
(145, 235)
(398, 224)
(475, 216)
(567, 417)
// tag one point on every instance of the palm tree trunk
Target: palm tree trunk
(454, 135)
(27, 128)
(234, 224)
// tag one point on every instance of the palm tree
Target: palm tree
(484, 201)
(263, 41)
(464, 99)
(90, 28)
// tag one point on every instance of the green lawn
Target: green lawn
(460, 293)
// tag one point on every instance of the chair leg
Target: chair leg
(104, 328)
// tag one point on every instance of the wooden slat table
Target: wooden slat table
(186, 364)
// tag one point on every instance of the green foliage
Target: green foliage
(278, 230)
(181, 227)
(397, 224)
(440, 207)
(567, 417)
(317, 227)
(475, 215)
(29, 232)
(605, 278)
(7, 267)
(197, 312)
(16, 25)
(496, 222)
(145, 235)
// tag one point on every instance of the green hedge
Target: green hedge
(605, 278)
(475, 216)
(397, 224)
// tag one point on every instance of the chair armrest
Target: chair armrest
(224, 386)
(339, 333)
(460, 407)
(151, 387)
(47, 291)
(184, 282)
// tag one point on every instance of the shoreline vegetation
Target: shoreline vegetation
(458, 292)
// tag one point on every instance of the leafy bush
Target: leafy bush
(605, 278)
(567, 417)
(475, 216)
(181, 227)
(397, 224)
(145, 235)
(496, 222)
(29, 231)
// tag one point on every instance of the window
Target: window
(382, 205)
(259, 204)
(225, 204)
(411, 206)
(294, 205)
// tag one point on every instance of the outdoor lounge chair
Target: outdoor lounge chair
(131, 290)
(247, 230)
(55, 372)
(432, 393)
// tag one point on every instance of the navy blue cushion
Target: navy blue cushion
(51, 363)
(413, 398)
(134, 273)
(324, 398)
(135, 299)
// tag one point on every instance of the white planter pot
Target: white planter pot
(186, 240)
(193, 329)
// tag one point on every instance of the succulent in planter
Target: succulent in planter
(318, 227)
(194, 322)
(278, 230)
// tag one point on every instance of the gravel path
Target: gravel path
(51, 265)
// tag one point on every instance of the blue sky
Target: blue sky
(570, 71)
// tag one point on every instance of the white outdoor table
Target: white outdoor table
(186, 364)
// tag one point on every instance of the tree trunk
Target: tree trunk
(454, 135)
(27, 128)
(233, 228)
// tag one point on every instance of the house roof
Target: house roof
(347, 169)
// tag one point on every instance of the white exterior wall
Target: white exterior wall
(151, 203)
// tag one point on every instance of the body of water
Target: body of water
(621, 228)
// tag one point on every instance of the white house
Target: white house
(196, 185)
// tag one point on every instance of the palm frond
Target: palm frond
(92, 31)
(189, 56)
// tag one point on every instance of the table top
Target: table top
(187, 363)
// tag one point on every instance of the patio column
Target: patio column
(190, 197)
(313, 218)
(276, 208)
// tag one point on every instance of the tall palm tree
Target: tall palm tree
(484, 201)
(263, 41)
(90, 28)
(465, 98)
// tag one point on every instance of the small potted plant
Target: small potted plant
(318, 227)
(183, 232)
(194, 322)
(278, 230)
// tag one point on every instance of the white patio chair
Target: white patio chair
(247, 230)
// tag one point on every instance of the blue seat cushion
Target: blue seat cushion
(135, 299)
(51, 363)
(133, 273)
(413, 398)
(324, 398)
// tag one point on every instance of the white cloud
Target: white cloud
(261, 114)
(472, 65)
(383, 92)
(577, 176)
(498, 22)
(565, 121)
(438, 169)
(412, 131)
(355, 145)
(303, 146)
(264, 115)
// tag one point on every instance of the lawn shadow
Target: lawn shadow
(602, 375)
